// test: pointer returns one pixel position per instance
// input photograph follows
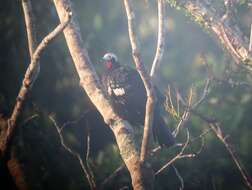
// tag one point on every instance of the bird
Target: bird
(128, 95)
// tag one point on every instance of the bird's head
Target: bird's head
(110, 60)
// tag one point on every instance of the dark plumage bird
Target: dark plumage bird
(126, 89)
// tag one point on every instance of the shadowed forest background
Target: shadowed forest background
(57, 93)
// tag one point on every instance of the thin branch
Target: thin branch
(150, 91)
(29, 79)
(186, 115)
(179, 177)
(178, 156)
(250, 41)
(90, 171)
(30, 26)
(161, 37)
(31, 75)
(218, 132)
(112, 176)
(75, 154)
(214, 125)
(29, 119)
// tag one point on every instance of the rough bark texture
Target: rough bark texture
(90, 83)
(228, 34)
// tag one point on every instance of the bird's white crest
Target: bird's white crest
(110, 56)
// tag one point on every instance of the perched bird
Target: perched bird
(126, 89)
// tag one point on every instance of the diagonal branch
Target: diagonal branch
(140, 173)
(30, 77)
(86, 170)
(178, 156)
(227, 33)
(215, 127)
(151, 96)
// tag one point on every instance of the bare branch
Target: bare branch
(178, 156)
(185, 116)
(89, 169)
(75, 154)
(179, 177)
(161, 37)
(140, 173)
(218, 132)
(151, 96)
(30, 77)
(214, 125)
(30, 26)
(250, 41)
(228, 34)
(112, 176)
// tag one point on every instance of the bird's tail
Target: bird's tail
(162, 133)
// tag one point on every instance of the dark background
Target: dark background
(57, 93)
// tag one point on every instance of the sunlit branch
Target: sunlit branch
(89, 81)
(161, 37)
(30, 26)
(151, 97)
(227, 33)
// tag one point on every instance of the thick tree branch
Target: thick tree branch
(90, 83)
(151, 96)
(228, 34)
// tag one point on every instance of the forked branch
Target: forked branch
(151, 97)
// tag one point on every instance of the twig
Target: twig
(185, 116)
(178, 156)
(218, 132)
(75, 154)
(112, 176)
(29, 119)
(214, 125)
(179, 177)
(90, 171)
(161, 37)
(150, 91)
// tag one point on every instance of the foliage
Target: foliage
(57, 92)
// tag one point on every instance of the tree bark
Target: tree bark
(89, 81)
(228, 34)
